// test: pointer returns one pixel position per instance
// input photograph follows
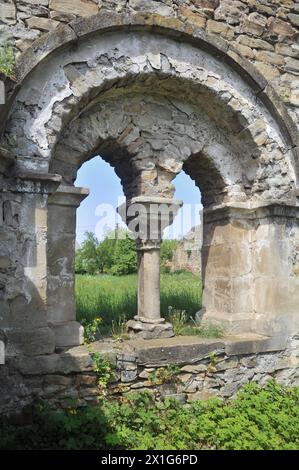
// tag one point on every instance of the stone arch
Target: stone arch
(247, 167)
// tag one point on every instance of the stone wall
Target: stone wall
(161, 98)
(190, 368)
(185, 368)
(187, 253)
(265, 31)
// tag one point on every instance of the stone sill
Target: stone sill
(180, 350)
(186, 349)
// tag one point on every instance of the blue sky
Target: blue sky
(106, 191)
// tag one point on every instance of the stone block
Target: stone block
(194, 369)
(75, 7)
(74, 360)
(178, 350)
(203, 395)
(43, 24)
(144, 330)
(251, 344)
(128, 375)
(269, 58)
(280, 27)
(32, 342)
(68, 334)
(8, 12)
(217, 27)
(193, 18)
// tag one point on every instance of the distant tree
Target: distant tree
(116, 254)
(87, 259)
(124, 257)
(106, 252)
(167, 251)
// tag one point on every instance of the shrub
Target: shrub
(7, 60)
(257, 419)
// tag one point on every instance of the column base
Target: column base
(146, 330)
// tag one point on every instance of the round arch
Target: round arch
(155, 95)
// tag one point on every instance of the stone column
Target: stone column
(23, 234)
(154, 215)
(251, 268)
(60, 256)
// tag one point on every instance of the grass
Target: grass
(184, 325)
(114, 299)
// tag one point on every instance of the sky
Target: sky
(97, 212)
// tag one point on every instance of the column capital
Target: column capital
(36, 183)
(252, 210)
(68, 196)
(148, 216)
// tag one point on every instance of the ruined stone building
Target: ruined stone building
(187, 254)
(209, 87)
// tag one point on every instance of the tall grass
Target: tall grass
(113, 298)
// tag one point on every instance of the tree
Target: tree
(87, 260)
(124, 257)
(166, 253)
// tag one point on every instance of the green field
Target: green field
(114, 299)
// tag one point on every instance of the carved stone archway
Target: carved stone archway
(153, 96)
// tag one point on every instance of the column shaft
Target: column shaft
(60, 259)
(149, 285)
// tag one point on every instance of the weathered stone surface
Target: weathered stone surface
(280, 27)
(255, 43)
(78, 7)
(177, 351)
(68, 334)
(255, 344)
(269, 57)
(30, 342)
(143, 330)
(150, 5)
(193, 18)
(8, 12)
(291, 50)
(294, 19)
(230, 11)
(254, 24)
(291, 65)
(43, 24)
(194, 369)
(169, 97)
(74, 360)
(216, 27)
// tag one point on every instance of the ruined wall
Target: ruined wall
(68, 109)
(185, 368)
(265, 31)
(187, 254)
